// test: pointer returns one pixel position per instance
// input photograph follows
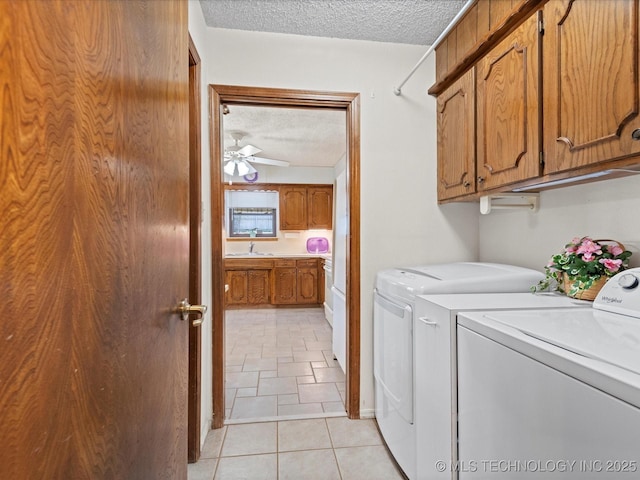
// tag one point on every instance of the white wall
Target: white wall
(605, 209)
(198, 32)
(269, 174)
(401, 223)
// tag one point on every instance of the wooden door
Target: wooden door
(258, 291)
(508, 123)
(591, 82)
(293, 208)
(456, 138)
(307, 285)
(320, 207)
(284, 286)
(94, 163)
(238, 285)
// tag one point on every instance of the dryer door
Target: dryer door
(393, 355)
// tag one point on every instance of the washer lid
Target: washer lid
(460, 277)
(603, 336)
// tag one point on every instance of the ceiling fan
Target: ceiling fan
(238, 160)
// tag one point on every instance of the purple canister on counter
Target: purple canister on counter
(317, 245)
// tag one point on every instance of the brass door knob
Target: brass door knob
(186, 309)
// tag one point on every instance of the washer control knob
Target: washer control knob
(628, 281)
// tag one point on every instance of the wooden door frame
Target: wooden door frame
(275, 97)
(195, 256)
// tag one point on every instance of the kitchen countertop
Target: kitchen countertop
(279, 255)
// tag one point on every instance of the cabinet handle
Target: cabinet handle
(466, 184)
(635, 135)
(480, 179)
(426, 321)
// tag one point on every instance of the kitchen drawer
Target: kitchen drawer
(307, 263)
(285, 262)
(248, 264)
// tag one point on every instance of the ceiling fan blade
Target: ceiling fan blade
(268, 161)
(248, 150)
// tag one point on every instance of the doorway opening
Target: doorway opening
(224, 97)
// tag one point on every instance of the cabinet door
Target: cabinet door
(284, 286)
(293, 208)
(307, 285)
(237, 281)
(320, 207)
(591, 82)
(508, 109)
(456, 138)
(258, 287)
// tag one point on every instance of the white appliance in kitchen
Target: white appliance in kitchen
(436, 373)
(552, 393)
(327, 266)
(393, 337)
(339, 288)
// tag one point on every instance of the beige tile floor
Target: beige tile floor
(279, 365)
(319, 448)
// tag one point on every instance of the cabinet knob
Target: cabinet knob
(480, 179)
(466, 184)
(636, 134)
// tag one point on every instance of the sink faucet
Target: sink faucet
(251, 245)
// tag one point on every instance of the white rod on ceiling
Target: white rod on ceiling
(398, 90)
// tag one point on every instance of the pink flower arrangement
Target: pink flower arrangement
(584, 261)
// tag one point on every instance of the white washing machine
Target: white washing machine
(546, 394)
(436, 372)
(394, 347)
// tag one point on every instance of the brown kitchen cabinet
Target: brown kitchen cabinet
(591, 82)
(320, 207)
(508, 109)
(295, 282)
(307, 281)
(481, 26)
(249, 282)
(545, 110)
(273, 281)
(293, 208)
(305, 207)
(284, 282)
(456, 138)
(237, 281)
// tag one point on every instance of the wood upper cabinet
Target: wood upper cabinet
(508, 114)
(293, 208)
(456, 138)
(591, 82)
(484, 23)
(305, 207)
(320, 207)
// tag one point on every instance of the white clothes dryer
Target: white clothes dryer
(394, 347)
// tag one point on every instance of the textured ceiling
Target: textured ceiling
(318, 137)
(417, 22)
(302, 137)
